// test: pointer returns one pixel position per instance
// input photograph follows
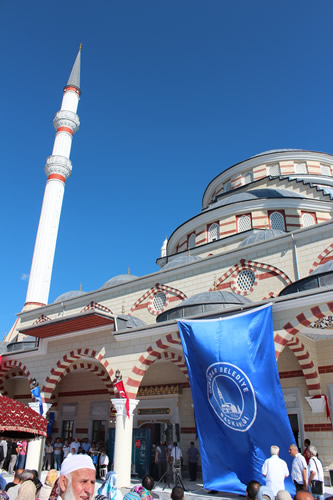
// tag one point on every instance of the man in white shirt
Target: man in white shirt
(75, 444)
(316, 472)
(175, 457)
(275, 470)
(299, 469)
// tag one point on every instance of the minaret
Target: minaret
(58, 168)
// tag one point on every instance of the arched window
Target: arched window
(308, 219)
(213, 232)
(191, 241)
(274, 169)
(277, 221)
(244, 223)
(248, 177)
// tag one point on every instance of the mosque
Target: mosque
(264, 234)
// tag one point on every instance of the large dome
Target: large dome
(117, 280)
(253, 194)
(201, 303)
(69, 295)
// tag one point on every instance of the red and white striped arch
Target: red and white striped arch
(250, 264)
(290, 337)
(153, 353)
(171, 293)
(72, 361)
(325, 256)
(12, 368)
(177, 359)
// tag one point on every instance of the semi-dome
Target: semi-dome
(69, 295)
(258, 235)
(120, 278)
(324, 268)
(321, 277)
(126, 321)
(203, 303)
(180, 261)
(254, 194)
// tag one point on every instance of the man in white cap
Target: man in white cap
(77, 478)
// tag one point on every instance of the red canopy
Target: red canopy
(20, 421)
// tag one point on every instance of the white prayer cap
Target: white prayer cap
(76, 462)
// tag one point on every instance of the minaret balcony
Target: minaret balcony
(68, 119)
(57, 164)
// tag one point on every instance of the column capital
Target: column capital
(120, 406)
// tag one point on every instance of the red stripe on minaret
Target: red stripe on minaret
(73, 89)
(65, 129)
(56, 176)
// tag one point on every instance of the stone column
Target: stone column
(36, 446)
(123, 441)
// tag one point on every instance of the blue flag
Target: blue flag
(36, 394)
(237, 396)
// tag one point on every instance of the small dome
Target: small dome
(324, 268)
(180, 261)
(69, 295)
(117, 280)
(253, 194)
(203, 303)
(126, 321)
(258, 235)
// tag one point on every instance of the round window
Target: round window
(245, 280)
(159, 301)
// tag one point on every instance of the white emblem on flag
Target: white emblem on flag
(231, 395)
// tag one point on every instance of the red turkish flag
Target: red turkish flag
(121, 389)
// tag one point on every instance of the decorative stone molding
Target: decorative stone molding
(57, 164)
(317, 405)
(160, 390)
(323, 323)
(67, 119)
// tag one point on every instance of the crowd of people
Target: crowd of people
(76, 477)
(307, 475)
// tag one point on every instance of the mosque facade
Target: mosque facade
(264, 234)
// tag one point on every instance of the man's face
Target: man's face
(293, 451)
(82, 486)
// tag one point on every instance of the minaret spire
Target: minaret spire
(74, 77)
(58, 168)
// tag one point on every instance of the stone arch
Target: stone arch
(154, 352)
(178, 360)
(245, 263)
(19, 370)
(322, 258)
(171, 295)
(75, 358)
(290, 337)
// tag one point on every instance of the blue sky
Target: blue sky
(173, 92)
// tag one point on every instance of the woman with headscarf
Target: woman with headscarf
(109, 489)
